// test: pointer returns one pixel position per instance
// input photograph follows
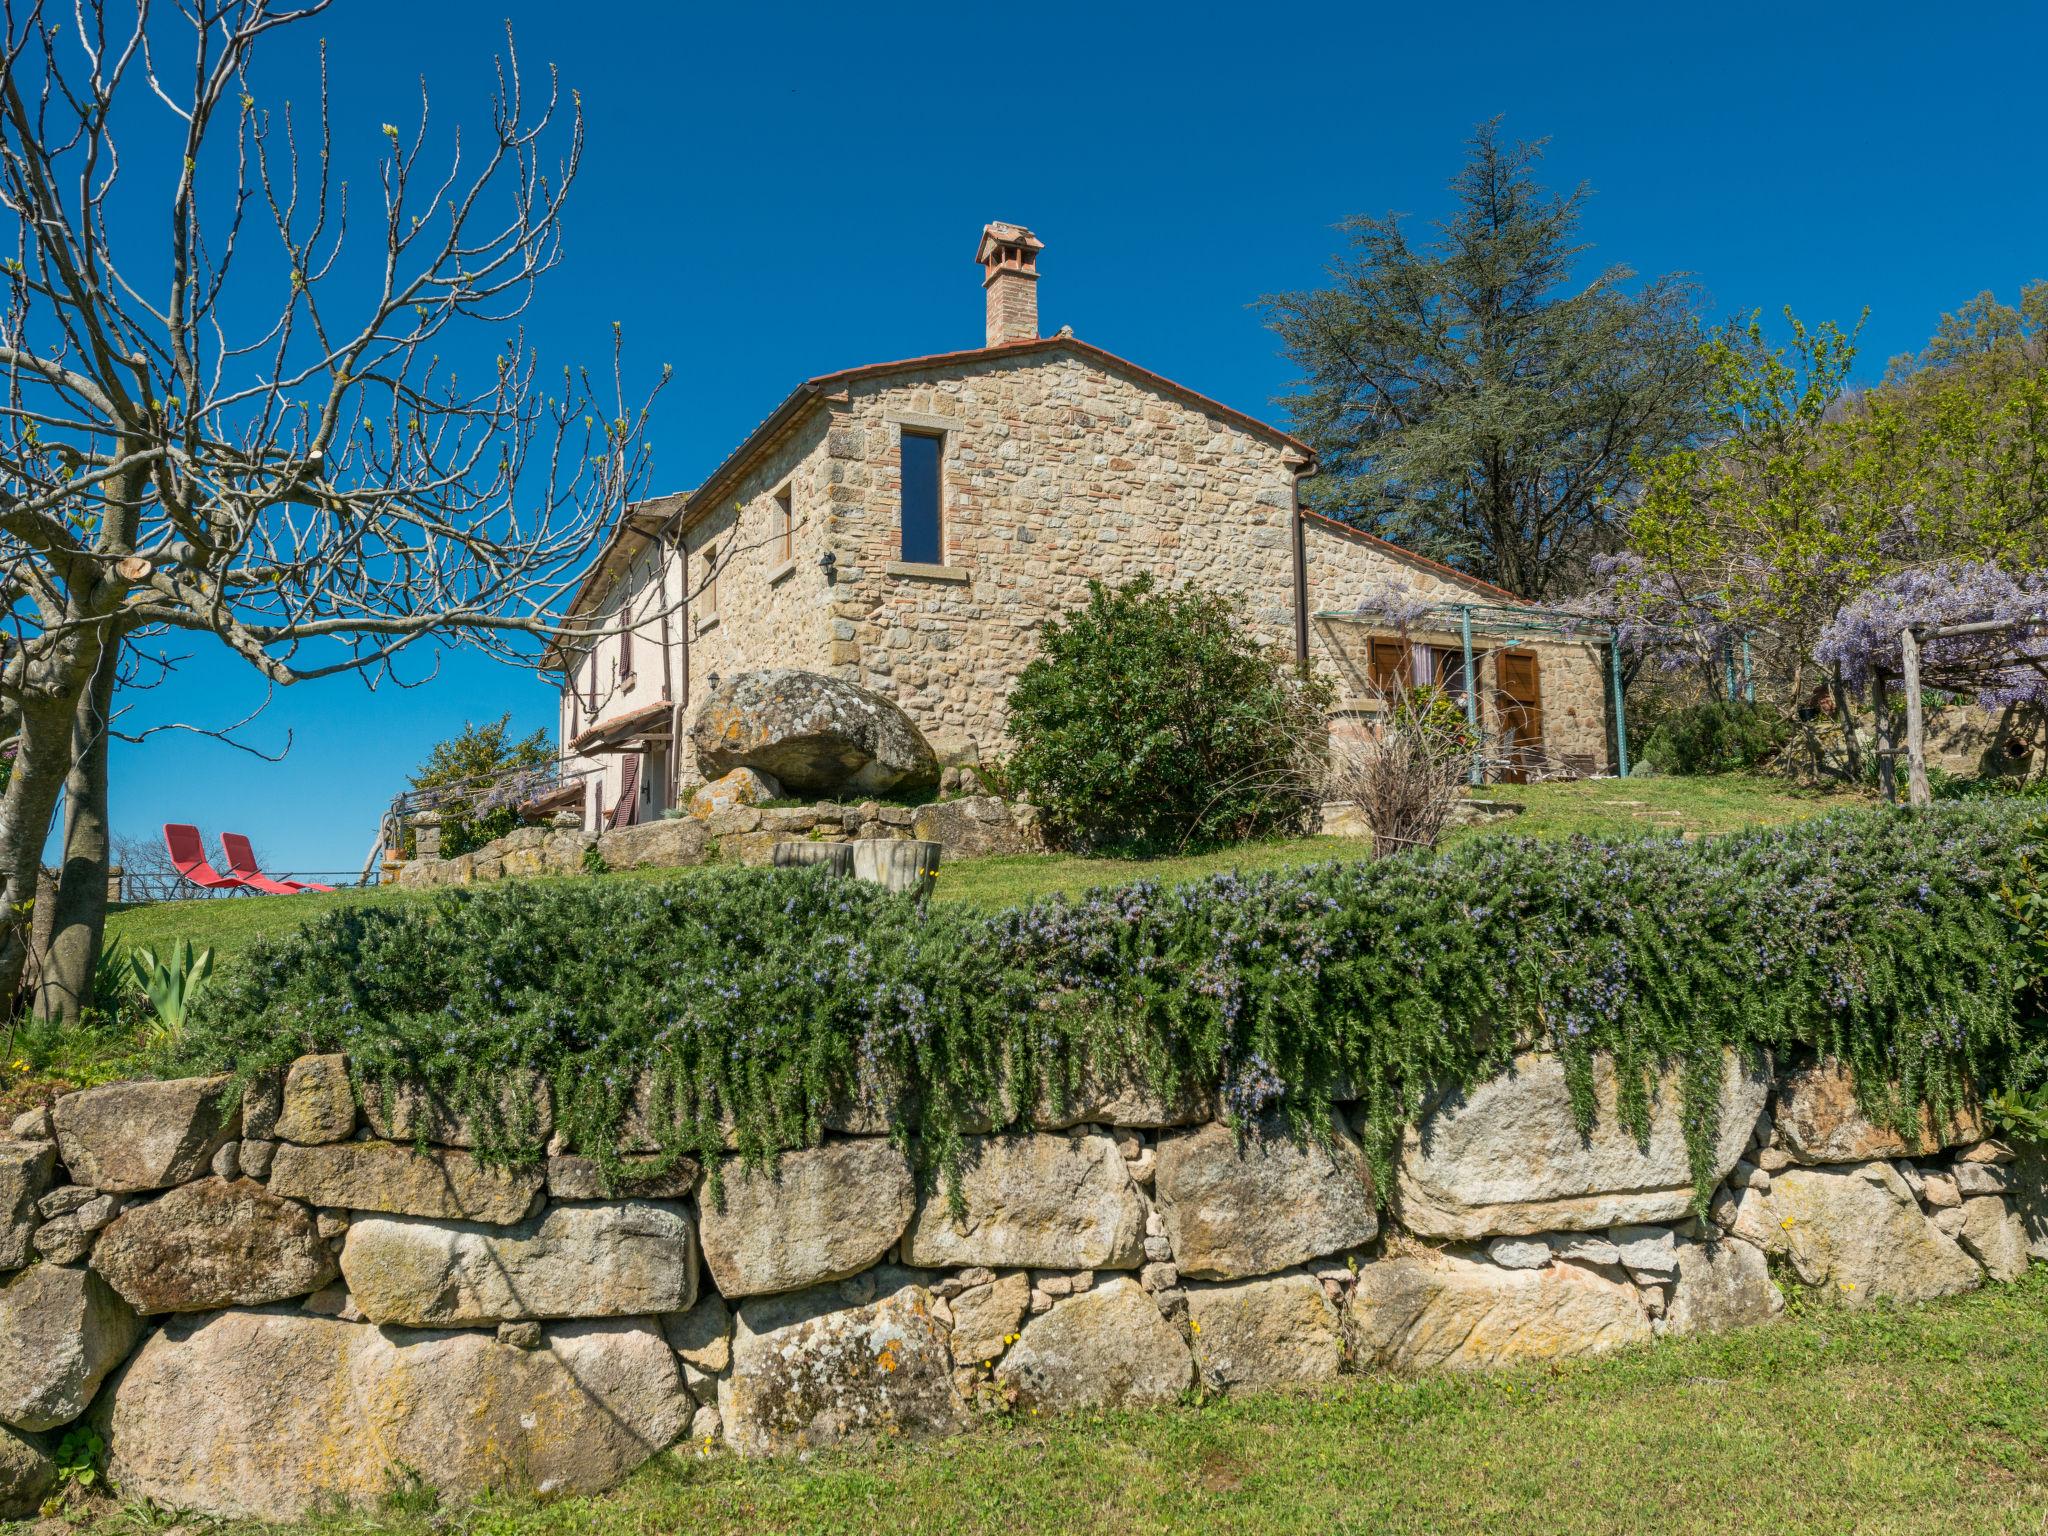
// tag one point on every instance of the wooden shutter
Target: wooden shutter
(1519, 703)
(1391, 666)
(629, 792)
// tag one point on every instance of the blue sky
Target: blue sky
(772, 192)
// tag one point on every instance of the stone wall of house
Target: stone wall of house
(300, 1298)
(1055, 471)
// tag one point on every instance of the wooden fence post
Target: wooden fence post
(1916, 725)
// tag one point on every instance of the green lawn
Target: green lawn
(1607, 807)
(1934, 1419)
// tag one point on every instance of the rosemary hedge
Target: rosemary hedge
(755, 1001)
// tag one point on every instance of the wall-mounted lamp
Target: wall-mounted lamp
(712, 679)
(829, 564)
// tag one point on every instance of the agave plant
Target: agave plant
(173, 983)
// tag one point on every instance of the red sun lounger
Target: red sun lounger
(242, 865)
(188, 855)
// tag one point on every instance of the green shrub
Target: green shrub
(1152, 720)
(772, 996)
(1718, 736)
(462, 767)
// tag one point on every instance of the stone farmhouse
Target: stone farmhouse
(908, 526)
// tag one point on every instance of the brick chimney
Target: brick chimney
(1009, 256)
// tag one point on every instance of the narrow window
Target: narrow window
(626, 640)
(785, 527)
(593, 678)
(710, 583)
(922, 452)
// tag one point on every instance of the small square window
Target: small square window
(922, 454)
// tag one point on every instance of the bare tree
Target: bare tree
(1403, 769)
(319, 488)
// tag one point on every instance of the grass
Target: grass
(1930, 1419)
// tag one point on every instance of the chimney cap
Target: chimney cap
(997, 234)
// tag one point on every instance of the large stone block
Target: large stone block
(571, 1177)
(1721, 1285)
(61, 1331)
(985, 1317)
(1994, 1235)
(379, 1176)
(214, 1244)
(1416, 1314)
(1818, 1120)
(408, 1112)
(674, 842)
(811, 1216)
(318, 1103)
(1121, 1098)
(976, 826)
(1508, 1159)
(25, 1170)
(265, 1415)
(1856, 1229)
(2030, 1194)
(1236, 1207)
(634, 1259)
(129, 1137)
(1265, 1334)
(1105, 1348)
(27, 1473)
(1034, 1202)
(862, 1360)
(815, 734)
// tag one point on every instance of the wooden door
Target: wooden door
(1518, 706)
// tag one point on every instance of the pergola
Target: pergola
(1502, 623)
(1974, 671)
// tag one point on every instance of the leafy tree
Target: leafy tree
(1470, 397)
(1152, 720)
(467, 763)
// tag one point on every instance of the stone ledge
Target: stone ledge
(922, 571)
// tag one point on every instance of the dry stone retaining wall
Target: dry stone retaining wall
(287, 1301)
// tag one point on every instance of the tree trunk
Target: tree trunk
(64, 981)
(41, 761)
(1852, 746)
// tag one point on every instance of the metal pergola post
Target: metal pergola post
(1476, 772)
(1620, 712)
(1748, 671)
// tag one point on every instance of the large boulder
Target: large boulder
(862, 1360)
(1818, 1120)
(129, 1137)
(1416, 1314)
(25, 1169)
(1035, 1202)
(61, 1331)
(1721, 1285)
(1236, 1206)
(27, 1473)
(1105, 1348)
(634, 1259)
(814, 734)
(378, 1176)
(1265, 1334)
(267, 1415)
(1508, 1159)
(1858, 1230)
(216, 1243)
(810, 1216)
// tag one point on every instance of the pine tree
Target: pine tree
(1469, 398)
